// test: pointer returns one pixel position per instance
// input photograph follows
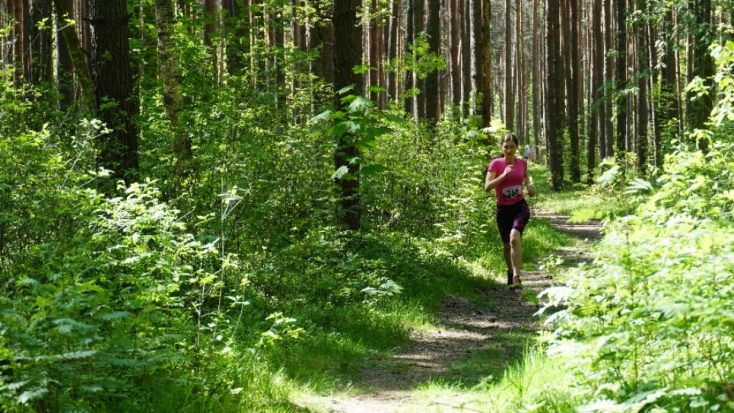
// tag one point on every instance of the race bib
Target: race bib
(512, 192)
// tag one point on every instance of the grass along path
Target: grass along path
(455, 368)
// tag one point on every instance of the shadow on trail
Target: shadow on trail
(476, 341)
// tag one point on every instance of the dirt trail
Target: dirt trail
(465, 331)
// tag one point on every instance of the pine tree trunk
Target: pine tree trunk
(621, 81)
(509, 77)
(573, 86)
(114, 97)
(433, 30)
(486, 63)
(555, 115)
(349, 46)
(643, 66)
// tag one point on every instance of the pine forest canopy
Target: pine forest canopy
(570, 89)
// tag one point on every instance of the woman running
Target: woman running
(506, 175)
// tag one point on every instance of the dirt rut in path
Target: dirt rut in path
(466, 332)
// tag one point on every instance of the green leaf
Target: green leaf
(78, 355)
(30, 395)
(325, 116)
(638, 185)
(372, 170)
(339, 173)
(361, 104)
(345, 89)
(115, 315)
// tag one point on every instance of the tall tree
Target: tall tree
(555, 113)
(410, 32)
(455, 45)
(486, 63)
(519, 78)
(168, 70)
(237, 35)
(112, 76)
(70, 42)
(643, 68)
(621, 79)
(466, 59)
(41, 42)
(475, 21)
(321, 38)
(393, 46)
(596, 81)
(347, 55)
(433, 31)
(419, 17)
(702, 65)
(669, 116)
(64, 63)
(509, 87)
(574, 87)
(536, 74)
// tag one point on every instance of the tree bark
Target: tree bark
(597, 78)
(642, 112)
(475, 17)
(78, 60)
(41, 43)
(621, 80)
(509, 89)
(455, 45)
(349, 46)
(114, 96)
(433, 30)
(410, 82)
(555, 115)
(486, 63)
(573, 88)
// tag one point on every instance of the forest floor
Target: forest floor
(475, 343)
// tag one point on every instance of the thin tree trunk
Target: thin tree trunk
(555, 93)
(349, 46)
(41, 43)
(455, 50)
(410, 74)
(643, 67)
(169, 74)
(608, 129)
(372, 49)
(72, 43)
(574, 84)
(475, 10)
(508, 88)
(466, 59)
(535, 59)
(519, 73)
(64, 62)
(597, 74)
(433, 30)
(486, 64)
(621, 80)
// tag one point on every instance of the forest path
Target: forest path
(492, 337)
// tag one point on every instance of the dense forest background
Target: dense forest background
(186, 185)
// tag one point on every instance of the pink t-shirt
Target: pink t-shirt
(509, 191)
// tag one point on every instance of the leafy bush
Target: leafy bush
(649, 326)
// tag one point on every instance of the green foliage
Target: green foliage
(647, 327)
